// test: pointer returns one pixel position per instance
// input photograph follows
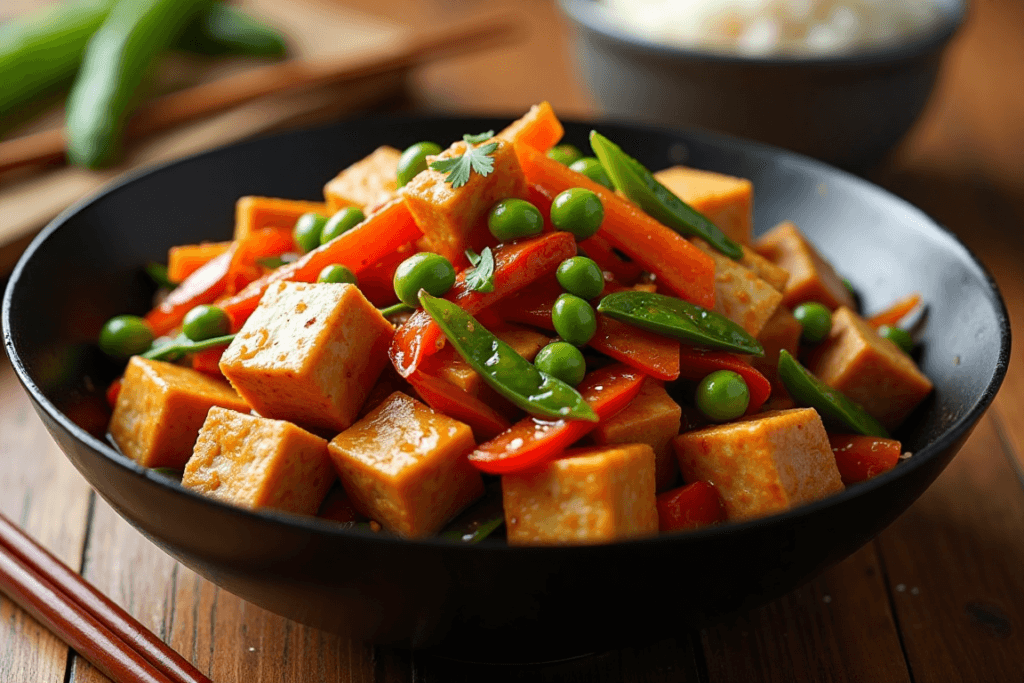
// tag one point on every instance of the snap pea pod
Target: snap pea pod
(657, 201)
(511, 375)
(835, 409)
(180, 345)
(678, 319)
(479, 521)
(117, 58)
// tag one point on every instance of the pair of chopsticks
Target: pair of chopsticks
(111, 639)
(209, 98)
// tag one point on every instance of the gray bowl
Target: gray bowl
(848, 110)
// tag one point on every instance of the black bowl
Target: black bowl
(490, 601)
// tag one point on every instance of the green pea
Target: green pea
(898, 336)
(816, 321)
(337, 273)
(581, 276)
(565, 154)
(341, 222)
(424, 270)
(722, 396)
(579, 211)
(125, 335)
(205, 322)
(511, 219)
(592, 168)
(562, 360)
(574, 319)
(307, 231)
(414, 160)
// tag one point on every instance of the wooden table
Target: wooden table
(938, 596)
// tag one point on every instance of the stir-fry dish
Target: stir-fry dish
(508, 337)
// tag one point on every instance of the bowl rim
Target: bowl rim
(586, 15)
(325, 528)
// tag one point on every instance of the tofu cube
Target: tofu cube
(367, 183)
(309, 354)
(740, 295)
(869, 369)
(763, 464)
(782, 331)
(449, 216)
(259, 463)
(405, 466)
(726, 201)
(652, 418)
(160, 409)
(811, 277)
(763, 268)
(593, 495)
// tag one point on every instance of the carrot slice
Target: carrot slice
(380, 234)
(598, 249)
(186, 259)
(253, 213)
(861, 457)
(696, 364)
(690, 507)
(259, 244)
(201, 287)
(208, 360)
(532, 441)
(896, 312)
(539, 128)
(681, 267)
(459, 404)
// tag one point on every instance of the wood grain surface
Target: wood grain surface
(938, 596)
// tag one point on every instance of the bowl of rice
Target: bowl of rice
(839, 80)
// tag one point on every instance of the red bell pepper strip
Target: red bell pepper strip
(861, 457)
(201, 287)
(377, 283)
(459, 404)
(896, 312)
(681, 267)
(516, 265)
(696, 364)
(532, 441)
(690, 507)
(598, 249)
(113, 391)
(380, 234)
(208, 360)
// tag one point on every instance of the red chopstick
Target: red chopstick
(110, 638)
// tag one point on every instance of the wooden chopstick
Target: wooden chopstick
(224, 93)
(110, 638)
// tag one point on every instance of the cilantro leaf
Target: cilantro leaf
(481, 277)
(475, 159)
(477, 139)
(474, 258)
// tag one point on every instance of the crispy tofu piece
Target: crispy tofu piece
(259, 463)
(309, 354)
(869, 369)
(726, 201)
(811, 277)
(367, 183)
(763, 268)
(740, 295)
(405, 466)
(763, 464)
(160, 409)
(652, 418)
(593, 495)
(448, 216)
(782, 331)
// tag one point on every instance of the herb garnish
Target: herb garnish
(474, 159)
(481, 277)
(157, 272)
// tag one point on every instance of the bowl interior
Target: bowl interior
(85, 268)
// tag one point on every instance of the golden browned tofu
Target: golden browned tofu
(160, 409)
(763, 464)
(869, 369)
(811, 277)
(782, 331)
(367, 183)
(593, 495)
(256, 462)
(726, 201)
(763, 268)
(447, 215)
(309, 354)
(405, 466)
(740, 295)
(652, 418)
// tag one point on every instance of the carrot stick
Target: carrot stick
(539, 128)
(253, 213)
(186, 259)
(896, 312)
(201, 287)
